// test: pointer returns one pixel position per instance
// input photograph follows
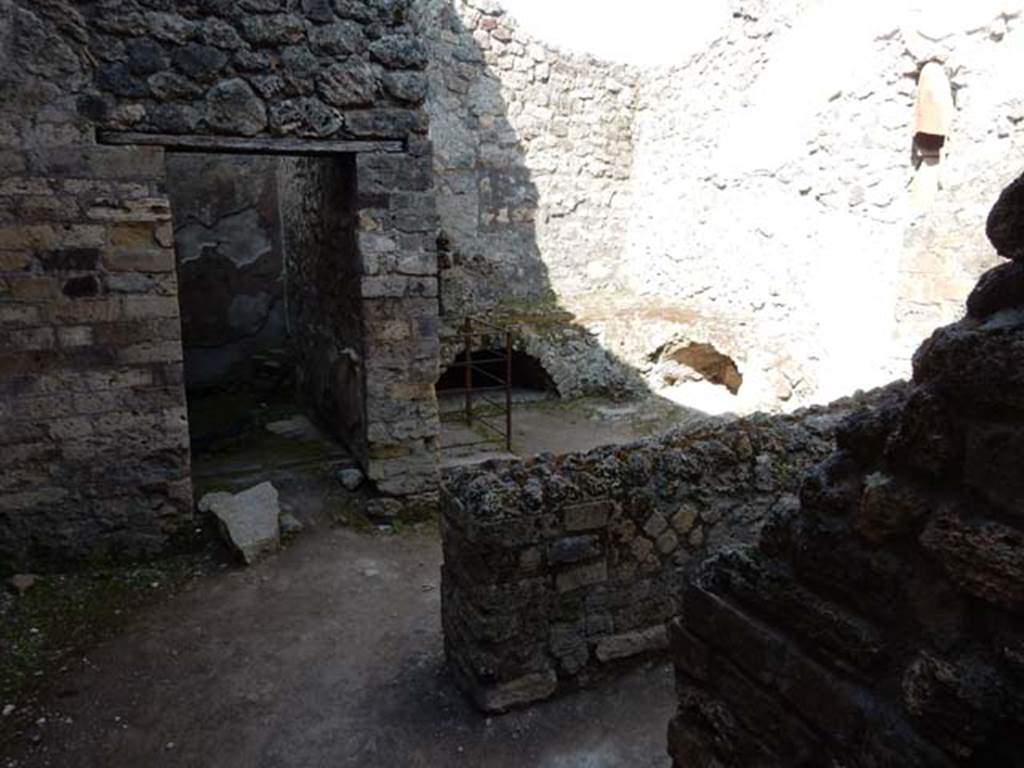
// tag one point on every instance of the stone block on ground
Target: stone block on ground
(20, 583)
(247, 520)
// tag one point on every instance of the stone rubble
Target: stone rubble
(878, 623)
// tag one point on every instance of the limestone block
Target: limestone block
(505, 696)
(632, 643)
(582, 517)
(249, 520)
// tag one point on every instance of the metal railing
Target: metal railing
(482, 334)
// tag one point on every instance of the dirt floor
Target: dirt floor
(328, 654)
(543, 424)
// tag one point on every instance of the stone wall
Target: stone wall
(230, 262)
(557, 567)
(324, 304)
(101, 354)
(837, 272)
(317, 70)
(879, 623)
(532, 164)
(94, 438)
(742, 199)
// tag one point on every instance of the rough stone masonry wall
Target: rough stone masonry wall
(532, 160)
(556, 567)
(754, 198)
(324, 303)
(94, 438)
(880, 623)
(254, 68)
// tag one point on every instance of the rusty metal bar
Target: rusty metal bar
(508, 391)
(477, 360)
(469, 371)
(473, 370)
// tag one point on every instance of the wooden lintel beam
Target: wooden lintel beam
(248, 146)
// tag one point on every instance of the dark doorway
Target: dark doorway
(269, 278)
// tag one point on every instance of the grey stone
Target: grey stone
(684, 520)
(347, 85)
(202, 63)
(536, 686)
(247, 520)
(632, 643)
(992, 466)
(667, 542)
(985, 558)
(978, 362)
(279, 29)
(320, 120)
(172, 86)
(354, 9)
(383, 509)
(351, 478)
(296, 428)
(318, 10)
(1005, 227)
(655, 524)
(889, 507)
(410, 87)
(399, 52)
(581, 576)
(300, 66)
(290, 525)
(574, 549)
(998, 289)
(20, 583)
(232, 107)
(173, 118)
(219, 33)
(340, 39)
(384, 123)
(116, 79)
(145, 56)
(582, 517)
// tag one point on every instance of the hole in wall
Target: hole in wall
(696, 361)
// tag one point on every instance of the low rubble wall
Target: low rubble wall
(558, 567)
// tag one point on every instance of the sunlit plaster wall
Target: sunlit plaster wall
(770, 188)
(727, 172)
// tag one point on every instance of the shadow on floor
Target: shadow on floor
(328, 654)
